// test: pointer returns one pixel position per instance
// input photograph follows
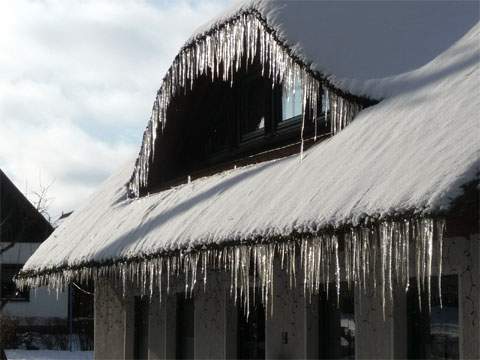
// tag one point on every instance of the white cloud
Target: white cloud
(77, 82)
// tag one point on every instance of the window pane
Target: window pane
(325, 104)
(253, 106)
(141, 328)
(337, 325)
(251, 332)
(185, 327)
(434, 335)
(292, 101)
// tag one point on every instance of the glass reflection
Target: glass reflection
(434, 335)
(292, 101)
(337, 325)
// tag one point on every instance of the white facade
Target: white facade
(42, 304)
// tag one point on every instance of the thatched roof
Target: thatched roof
(408, 156)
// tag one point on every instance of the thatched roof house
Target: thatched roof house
(383, 160)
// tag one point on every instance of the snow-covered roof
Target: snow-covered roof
(361, 46)
(410, 154)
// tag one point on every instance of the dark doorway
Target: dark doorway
(337, 325)
(434, 335)
(251, 332)
(140, 346)
(185, 348)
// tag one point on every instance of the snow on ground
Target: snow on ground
(48, 355)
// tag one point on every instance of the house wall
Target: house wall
(215, 317)
(43, 304)
(464, 259)
(213, 311)
(285, 331)
(377, 337)
(112, 337)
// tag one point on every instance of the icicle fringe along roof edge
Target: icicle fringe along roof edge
(378, 255)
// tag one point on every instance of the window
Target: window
(337, 325)
(9, 290)
(325, 105)
(217, 125)
(140, 345)
(185, 327)
(292, 102)
(434, 335)
(251, 332)
(82, 313)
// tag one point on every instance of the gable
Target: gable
(19, 220)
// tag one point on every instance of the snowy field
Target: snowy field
(48, 355)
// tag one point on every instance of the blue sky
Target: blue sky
(77, 82)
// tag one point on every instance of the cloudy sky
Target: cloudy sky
(77, 82)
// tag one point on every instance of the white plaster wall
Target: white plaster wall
(43, 304)
(377, 337)
(463, 258)
(211, 318)
(285, 331)
(110, 322)
(19, 253)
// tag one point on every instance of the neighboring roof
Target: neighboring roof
(410, 154)
(19, 220)
(62, 218)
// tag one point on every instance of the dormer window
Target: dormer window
(216, 125)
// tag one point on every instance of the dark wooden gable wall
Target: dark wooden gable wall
(214, 126)
(19, 220)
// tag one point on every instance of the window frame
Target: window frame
(327, 311)
(294, 120)
(141, 327)
(181, 300)
(257, 314)
(419, 321)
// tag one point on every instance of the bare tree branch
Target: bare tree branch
(42, 201)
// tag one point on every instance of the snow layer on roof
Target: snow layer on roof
(363, 47)
(411, 152)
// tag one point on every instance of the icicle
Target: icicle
(337, 268)
(440, 229)
(418, 257)
(383, 262)
(429, 254)
(406, 225)
(304, 111)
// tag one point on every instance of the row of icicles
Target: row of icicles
(379, 256)
(219, 54)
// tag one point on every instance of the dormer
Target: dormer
(232, 98)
